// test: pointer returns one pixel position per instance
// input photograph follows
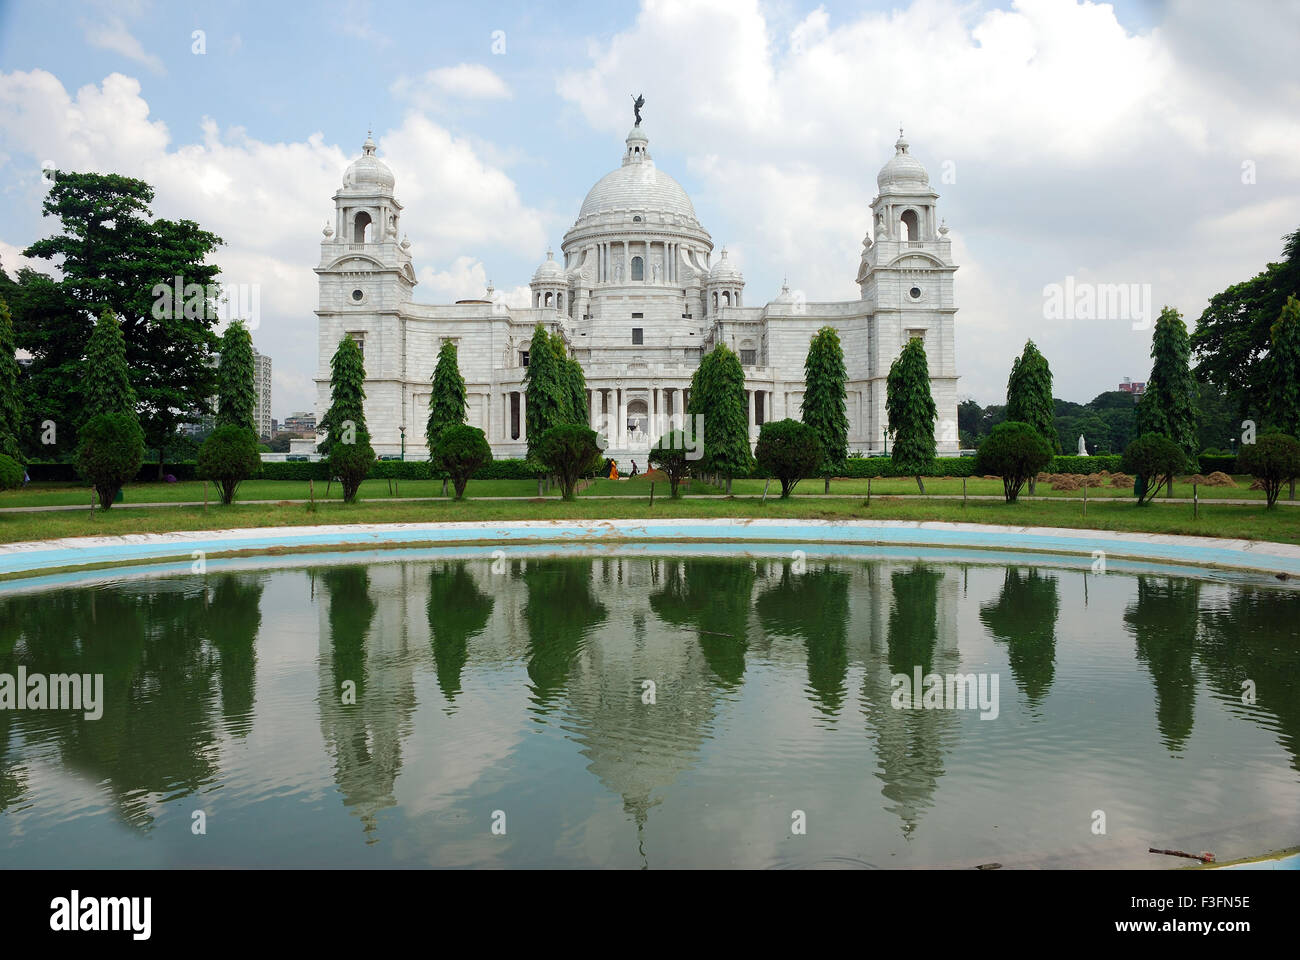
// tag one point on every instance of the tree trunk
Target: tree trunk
(1292, 495)
(728, 486)
(827, 487)
(920, 484)
(444, 486)
(1032, 481)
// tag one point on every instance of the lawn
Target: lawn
(1217, 520)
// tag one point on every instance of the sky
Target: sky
(1085, 143)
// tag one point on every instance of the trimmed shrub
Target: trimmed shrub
(109, 453)
(1273, 459)
(568, 450)
(1015, 452)
(671, 456)
(459, 451)
(228, 457)
(352, 463)
(1152, 456)
(11, 473)
(789, 450)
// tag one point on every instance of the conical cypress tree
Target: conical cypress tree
(1029, 394)
(10, 405)
(1169, 405)
(1284, 370)
(347, 395)
(824, 407)
(236, 392)
(447, 402)
(107, 383)
(911, 411)
(720, 398)
(546, 388)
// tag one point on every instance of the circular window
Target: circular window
(915, 293)
(636, 219)
(357, 295)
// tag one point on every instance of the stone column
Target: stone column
(619, 439)
(523, 416)
(656, 414)
(749, 395)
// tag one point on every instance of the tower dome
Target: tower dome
(637, 185)
(724, 271)
(367, 173)
(550, 270)
(903, 172)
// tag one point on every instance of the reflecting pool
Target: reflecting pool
(621, 708)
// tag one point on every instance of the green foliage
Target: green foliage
(1283, 369)
(352, 463)
(1234, 334)
(568, 450)
(447, 401)
(671, 455)
(789, 450)
(824, 399)
(460, 451)
(11, 416)
(1029, 395)
(114, 256)
(346, 417)
(11, 473)
(1169, 405)
(1152, 457)
(1273, 459)
(236, 391)
(911, 411)
(718, 396)
(1014, 451)
(547, 390)
(107, 384)
(110, 450)
(228, 457)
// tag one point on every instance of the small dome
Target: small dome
(785, 296)
(368, 173)
(723, 270)
(903, 172)
(549, 271)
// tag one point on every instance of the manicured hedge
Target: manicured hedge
(301, 470)
(1210, 462)
(47, 472)
(1087, 465)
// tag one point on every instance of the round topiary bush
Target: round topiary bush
(11, 473)
(788, 450)
(568, 451)
(1152, 457)
(1273, 459)
(1013, 451)
(351, 463)
(674, 454)
(459, 451)
(228, 457)
(109, 453)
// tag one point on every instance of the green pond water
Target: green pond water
(512, 694)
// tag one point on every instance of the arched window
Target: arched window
(361, 228)
(726, 298)
(548, 302)
(912, 225)
(638, 268)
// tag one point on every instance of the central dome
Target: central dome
(637, 185)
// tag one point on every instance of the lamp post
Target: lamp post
(402, 430)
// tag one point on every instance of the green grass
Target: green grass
(1216, 520)
(76, 494)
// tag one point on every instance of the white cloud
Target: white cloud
(113, 35)
(1077, 146)
(268, 201)
(468, 80)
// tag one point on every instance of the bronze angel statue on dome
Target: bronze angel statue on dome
(638, 101)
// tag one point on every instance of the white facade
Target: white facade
(638, 297)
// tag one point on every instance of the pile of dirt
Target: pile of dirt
(989, 476)
(1067, 481)
(1220, 479)
(1121, 481)
(1256, 485)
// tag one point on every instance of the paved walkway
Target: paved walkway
(690, 496)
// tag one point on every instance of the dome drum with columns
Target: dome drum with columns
(638, 296)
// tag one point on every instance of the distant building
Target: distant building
(262, 391)
(1137, 389)
(275, 426)
(303, 424)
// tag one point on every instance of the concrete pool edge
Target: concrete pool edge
(19, 560)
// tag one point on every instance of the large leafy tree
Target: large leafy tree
(1234, 334)
(1284, 369)
(11, 416)
(911, 410)
(1169, 405)
(347, 396)
(107, 384)
(447, 400)
(114, 255)
(236, 393)
(718, 396)
(824, 400)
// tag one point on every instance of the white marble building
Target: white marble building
(638, 296)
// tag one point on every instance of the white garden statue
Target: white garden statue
(1083, 450)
